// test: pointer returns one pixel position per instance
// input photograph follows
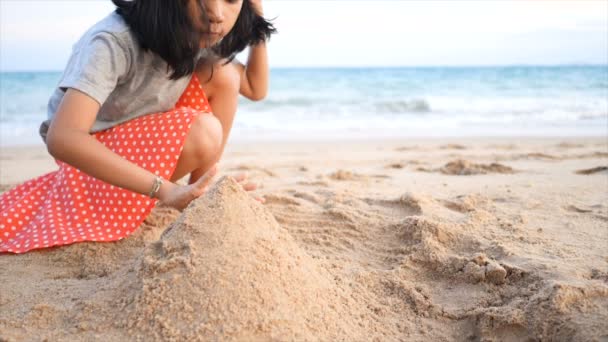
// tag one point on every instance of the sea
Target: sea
(377, 103)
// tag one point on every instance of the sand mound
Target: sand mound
(225, 270)
(464, 167)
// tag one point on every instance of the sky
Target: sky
(38, 35)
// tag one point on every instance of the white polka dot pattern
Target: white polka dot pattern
(68, 206)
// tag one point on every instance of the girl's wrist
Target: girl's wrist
(259, 44)
(164, 190)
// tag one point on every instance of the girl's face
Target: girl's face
(217, 20)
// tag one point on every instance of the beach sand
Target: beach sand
(460, 239)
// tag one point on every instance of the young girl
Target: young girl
(148, 96)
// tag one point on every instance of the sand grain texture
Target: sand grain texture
(347, 250)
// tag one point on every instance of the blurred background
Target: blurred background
(366, 69)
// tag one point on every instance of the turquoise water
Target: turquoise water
(380, 102)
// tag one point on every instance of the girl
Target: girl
(132, 114)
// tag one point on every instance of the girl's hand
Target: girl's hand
(242, 178)
(257, 7)
(179, 196)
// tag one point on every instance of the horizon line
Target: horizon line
(385, 67)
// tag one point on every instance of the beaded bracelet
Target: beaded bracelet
(158, 181)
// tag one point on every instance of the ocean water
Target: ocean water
(342, 103)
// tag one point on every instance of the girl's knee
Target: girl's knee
(207, 136)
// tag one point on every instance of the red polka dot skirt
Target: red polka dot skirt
(68, 206)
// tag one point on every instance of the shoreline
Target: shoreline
(33, 159)
(380, 139)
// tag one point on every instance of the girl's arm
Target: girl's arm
(68, 140)
(254, 76)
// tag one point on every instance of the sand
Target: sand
(462, 239)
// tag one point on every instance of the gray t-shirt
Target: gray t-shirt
(108, 64)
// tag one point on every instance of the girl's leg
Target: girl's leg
(201, 148)
(222, 92)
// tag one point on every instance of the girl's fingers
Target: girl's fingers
(250, 186)
(260, 199)
(241, 177)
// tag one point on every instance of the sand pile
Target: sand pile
(225, 270)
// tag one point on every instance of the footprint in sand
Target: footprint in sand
(280, 199)
(424, 169)
(567, 145)
(403, 164)
(597, 214)
(254, 168)
(403, 206)
(345, 175)
(313, 183)
(463, 167)
(310, 197)
(577, 209)
(596, 154)
(537, 155)
(592, 170)
(395, 166)
(453, 147)
(503, 147)
(406, 148)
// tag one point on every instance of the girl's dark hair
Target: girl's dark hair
(165, 27)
